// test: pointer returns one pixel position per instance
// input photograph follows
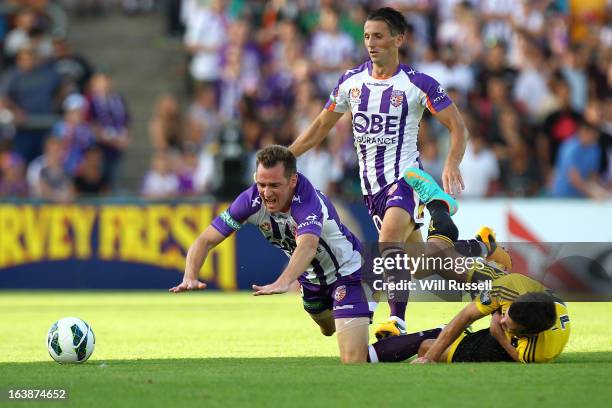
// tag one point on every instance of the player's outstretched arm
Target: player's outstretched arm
(302, 256)
(315, 133)
(196, 256)
(498, 333)
(451, 176)
(450, 333)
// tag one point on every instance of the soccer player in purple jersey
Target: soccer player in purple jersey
(325, 257)
(387, 100)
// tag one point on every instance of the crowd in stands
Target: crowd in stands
(531, 78)
(63, 127)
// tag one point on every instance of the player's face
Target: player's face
(510, 325)
(381, 45)
(275, 189)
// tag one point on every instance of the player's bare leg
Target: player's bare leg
(353, 338)
(425, 347)
(325, 320)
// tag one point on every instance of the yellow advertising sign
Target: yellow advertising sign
(157, 234)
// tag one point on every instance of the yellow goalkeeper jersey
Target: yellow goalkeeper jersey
(544, 346)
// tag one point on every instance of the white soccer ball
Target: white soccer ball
(70, 340)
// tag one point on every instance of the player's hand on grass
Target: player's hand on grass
(452, 180)
(271, 289)
(422, 360)
(187, 285)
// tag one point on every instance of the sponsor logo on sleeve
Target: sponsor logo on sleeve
(229, 221)
(442, 94)
(312, 219)
(256, 201)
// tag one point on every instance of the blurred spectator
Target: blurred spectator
(559, 126)
(195, 172)
(110, 117)
(12, 176)
(479, 168)
(206, 32)
(574, 70)
(430, 159)
(160, 181)
(52, 17)
(73, 67)
(90, 177)
(462, 33)
(321, 168)
(240, 70)
(448, 70)
(495, 65)
(520, 172)
(54, 183)
(19, 36)
(418, 14)
(203, 120)
(166, 124)
(76, 134)
(497, 18)
(576, 171)
(332, 51)
(32, 91)
(531, 86)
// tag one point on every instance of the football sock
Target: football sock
(398, 309)
(399, 348)
(397, 299)
(471, 248)
(441, 225)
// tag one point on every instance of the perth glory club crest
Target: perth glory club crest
(340, 293)
(397, 97)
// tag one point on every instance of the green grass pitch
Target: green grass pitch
(210, 349)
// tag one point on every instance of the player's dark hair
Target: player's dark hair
(534, 311)
(395, 20)
(271, 155)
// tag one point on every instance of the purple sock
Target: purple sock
(399, 348)
(398, 309)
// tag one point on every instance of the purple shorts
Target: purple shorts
(397, 194)
(345, 297)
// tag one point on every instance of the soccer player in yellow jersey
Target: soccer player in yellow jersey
(529, 324)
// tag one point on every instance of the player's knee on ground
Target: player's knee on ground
(353, 339)
(326, 323)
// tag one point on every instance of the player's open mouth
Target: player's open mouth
(270, 201)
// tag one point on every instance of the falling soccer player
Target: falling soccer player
(325, 257)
